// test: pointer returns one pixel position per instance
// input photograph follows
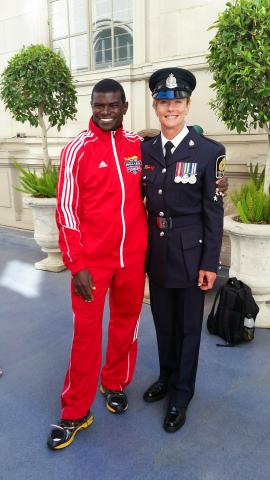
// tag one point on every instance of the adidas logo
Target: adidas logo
(102, 164)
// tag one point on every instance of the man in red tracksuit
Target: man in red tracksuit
(103, 238)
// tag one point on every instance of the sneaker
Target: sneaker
(116, 401)
(63, 435)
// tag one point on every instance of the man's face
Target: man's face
(172, 113)
(108, 110)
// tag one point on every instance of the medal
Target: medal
(178, 172)
(185, 172)
(192, 179)
(185, 179)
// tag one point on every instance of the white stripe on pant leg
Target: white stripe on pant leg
(135, 336)
(136, 330)
(69, 367)
(128, 367)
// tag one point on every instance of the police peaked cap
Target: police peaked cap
(170, 83)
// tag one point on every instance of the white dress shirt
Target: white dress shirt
(176, 140)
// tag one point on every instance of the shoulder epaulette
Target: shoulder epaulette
(147, 139)
(210, 140)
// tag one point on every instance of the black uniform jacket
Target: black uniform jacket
(190, 212)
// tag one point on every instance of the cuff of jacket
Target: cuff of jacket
(76, 266)
(209, 266)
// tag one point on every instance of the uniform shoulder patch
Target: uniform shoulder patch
(220, 166)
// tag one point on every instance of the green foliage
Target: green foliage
(38, 78)
(252, 203)
(43, 185)
(256, 177)
(37, 83)
(239, 58)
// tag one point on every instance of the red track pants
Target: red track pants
(126, 295)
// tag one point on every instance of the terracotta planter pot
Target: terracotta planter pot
(250, 262)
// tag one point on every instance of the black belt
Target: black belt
(172, 222)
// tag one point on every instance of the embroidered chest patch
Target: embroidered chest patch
(149, 167)
(133, 165)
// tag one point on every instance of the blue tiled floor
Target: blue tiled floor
(227, 433)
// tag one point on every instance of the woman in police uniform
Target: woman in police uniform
(185, 213)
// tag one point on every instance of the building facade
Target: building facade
(122, 39)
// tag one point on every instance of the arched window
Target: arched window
(92, 34)
(113, 47)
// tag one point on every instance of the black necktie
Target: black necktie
(168, 148)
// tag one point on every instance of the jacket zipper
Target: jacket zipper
(123, 199)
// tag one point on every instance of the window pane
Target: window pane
(122, 11)
(103, 48)
(79, 53)
(61, 46)
(78, 15)
(123, 46)
(59, 19)
(102, 13)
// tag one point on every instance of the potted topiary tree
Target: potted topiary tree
(239, 59)
(37, 86)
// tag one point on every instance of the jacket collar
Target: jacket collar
(104, 134)
(184, 150)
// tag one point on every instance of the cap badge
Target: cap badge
(171, 81)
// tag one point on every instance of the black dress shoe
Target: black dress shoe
(175, 419)
(155, 392)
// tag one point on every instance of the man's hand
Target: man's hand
(222, 186)
(83, 285)
(206, 279)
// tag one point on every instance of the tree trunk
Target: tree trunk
(43, 136)
(267, 168)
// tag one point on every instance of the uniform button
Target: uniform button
(163, 170)
(200, 241)
(160, 191)
(144, 178)
(161, 234)
(161, 214)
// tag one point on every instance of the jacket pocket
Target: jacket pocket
(192, 243)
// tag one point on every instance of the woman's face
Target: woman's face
(172, 113)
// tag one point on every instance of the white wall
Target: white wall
(165, 33)
(22, 22)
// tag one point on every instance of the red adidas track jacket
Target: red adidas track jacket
(100, 213)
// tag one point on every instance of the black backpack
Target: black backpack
(235, 303)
